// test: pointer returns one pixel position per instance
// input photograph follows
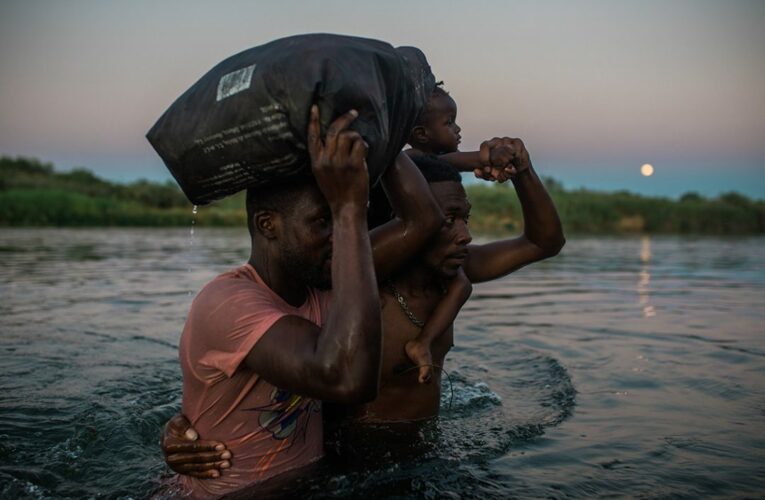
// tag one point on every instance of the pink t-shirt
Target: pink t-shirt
(268, 430)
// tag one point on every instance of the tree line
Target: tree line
(32, 193)
(496, 209)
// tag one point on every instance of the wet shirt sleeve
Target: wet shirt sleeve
(225, 322)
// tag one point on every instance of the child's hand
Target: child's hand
(419, 354)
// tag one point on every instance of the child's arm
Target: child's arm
(489, 163)
(439, 321)
(464, 161)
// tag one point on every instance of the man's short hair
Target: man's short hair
(435, 169)
(280, 197)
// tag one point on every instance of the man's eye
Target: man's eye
(449, 221)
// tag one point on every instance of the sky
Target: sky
(594, 88)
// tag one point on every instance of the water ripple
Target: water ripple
(624, 367)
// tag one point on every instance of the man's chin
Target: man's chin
(449, 272)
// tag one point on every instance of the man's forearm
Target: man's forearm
(350, 343)
(541, 223)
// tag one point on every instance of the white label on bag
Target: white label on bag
(235, 82)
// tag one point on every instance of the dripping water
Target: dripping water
(194, 211)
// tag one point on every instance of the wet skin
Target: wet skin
(323, 245)
(401, 396)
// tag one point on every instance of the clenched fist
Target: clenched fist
(503, 158)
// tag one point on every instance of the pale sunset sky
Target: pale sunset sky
(595, 88)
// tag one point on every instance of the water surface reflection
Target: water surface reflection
(562, 386)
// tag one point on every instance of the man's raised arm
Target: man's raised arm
(341, 360)
(542, 231)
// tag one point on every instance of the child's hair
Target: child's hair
(434, 169)
(438, 91)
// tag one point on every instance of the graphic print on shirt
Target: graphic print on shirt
(280, 417)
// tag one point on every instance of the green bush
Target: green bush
(33, 194)
(583, 211)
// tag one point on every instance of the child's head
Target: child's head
(436, 130)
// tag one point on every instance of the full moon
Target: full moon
(646, 169)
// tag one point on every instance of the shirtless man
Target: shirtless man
(436, 133)
(420, 285)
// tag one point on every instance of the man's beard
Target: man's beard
(301, 269)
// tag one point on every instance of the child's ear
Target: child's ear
(266, 223)
(419, 135)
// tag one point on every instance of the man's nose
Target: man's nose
(463, 234)
(458, 128)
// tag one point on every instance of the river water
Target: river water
(623, 367)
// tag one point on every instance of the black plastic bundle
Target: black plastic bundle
(244, 123)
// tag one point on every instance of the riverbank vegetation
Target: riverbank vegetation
(496, 210)
(34, 194)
